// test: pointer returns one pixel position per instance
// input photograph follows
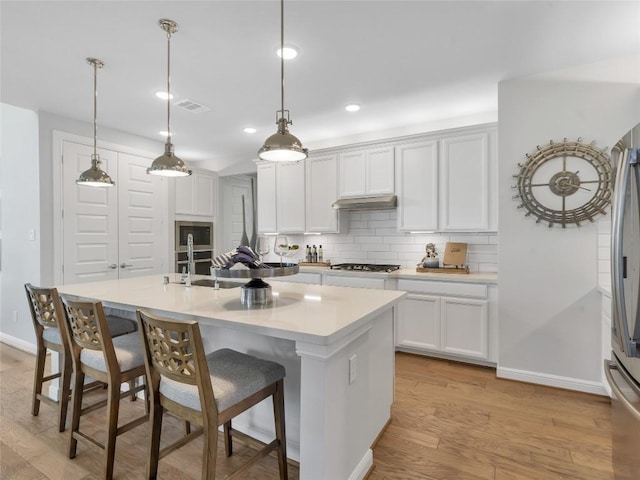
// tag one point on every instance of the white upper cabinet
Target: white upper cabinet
(267, 198)
(464, 182)
(366, 172)
(321, 192)
(290, 193)
(448, 182)
(195, 194)
(417, 188)
(281, 197)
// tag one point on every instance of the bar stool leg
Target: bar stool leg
(210, 451)
(278, 414)
(228, 445)
(37, 379)
(76, 410)
(113, 407)
(154, 442)
(65, 391)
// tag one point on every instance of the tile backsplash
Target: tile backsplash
(604, 251)
(372, 237)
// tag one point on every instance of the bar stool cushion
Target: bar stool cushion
(117, 326)
(52, 335)
(128, 350)
(234, 377)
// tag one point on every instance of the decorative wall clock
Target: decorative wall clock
(565, 183)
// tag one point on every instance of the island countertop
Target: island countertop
(310, 313)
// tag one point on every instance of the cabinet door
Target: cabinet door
(418, 324)
(380, 171)
(464, 327)
(267, 198)
(359, 282)
(321, 192)
(417, 189)
(203, 194)
(464, 183)
(184, 187)
(290, 197)
(352, 174)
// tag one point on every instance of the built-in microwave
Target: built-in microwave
(202, 235)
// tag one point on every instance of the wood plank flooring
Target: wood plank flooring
(449, 421)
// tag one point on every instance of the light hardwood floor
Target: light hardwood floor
(449, 421)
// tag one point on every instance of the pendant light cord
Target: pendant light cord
(169, 86)
(282, 55)
(95, 109)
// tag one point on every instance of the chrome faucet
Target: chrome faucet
(190, 262)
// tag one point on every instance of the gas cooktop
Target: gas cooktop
(365, 267)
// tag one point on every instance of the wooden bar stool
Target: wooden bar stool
(46, 311)
(207, 391)
(113, 361)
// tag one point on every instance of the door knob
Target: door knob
(113, 266)
(125, 265)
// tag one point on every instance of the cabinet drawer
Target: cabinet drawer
(303, 277)
(344, 281)
(473, 290)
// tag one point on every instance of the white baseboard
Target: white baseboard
(557, 381)
(363, 467)
(18, 343)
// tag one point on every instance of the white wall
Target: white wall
(20, 216)
(549, 305)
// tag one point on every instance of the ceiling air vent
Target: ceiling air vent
(191, 106)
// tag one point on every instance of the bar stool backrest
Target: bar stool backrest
(42, 302)
(174, 350)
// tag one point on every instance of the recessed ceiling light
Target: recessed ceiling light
(352, 107)
(289, 52)
(163, 95)
(249, 130)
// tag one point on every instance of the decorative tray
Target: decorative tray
(314, 264)
(442, 270)
(275, 271)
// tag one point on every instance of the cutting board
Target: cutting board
(455, 254)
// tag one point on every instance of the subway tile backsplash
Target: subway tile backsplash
(373, 237)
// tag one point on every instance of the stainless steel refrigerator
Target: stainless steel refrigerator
(623, 371)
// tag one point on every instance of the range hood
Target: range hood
(377, 202)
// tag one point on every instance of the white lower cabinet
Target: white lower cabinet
(357, 282)
(418, 323)
(432, 321)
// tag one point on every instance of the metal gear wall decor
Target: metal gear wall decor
(565, 183)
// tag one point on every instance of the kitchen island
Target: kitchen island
(336, 344)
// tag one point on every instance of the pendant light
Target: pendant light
(168, 165)
(95, 176)
(282, 146)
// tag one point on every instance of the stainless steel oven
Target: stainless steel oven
(202, 235)
(201, 262)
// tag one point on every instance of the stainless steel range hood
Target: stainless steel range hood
(377, 202)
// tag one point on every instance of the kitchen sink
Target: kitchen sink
(210, 282)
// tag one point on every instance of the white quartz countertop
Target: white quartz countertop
(410, 273)
(311, 313)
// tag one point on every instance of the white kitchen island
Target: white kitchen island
(336, 344)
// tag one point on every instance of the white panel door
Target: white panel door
(380, 171)
(418, 324)
(417, 189)
(90, 218)
(322, 191)
(140, 218)
(464, 327)
(464, 183)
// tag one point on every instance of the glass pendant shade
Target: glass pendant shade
(282, 146)
(168, 164)
(95, 176)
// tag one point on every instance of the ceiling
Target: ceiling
(406, 62)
